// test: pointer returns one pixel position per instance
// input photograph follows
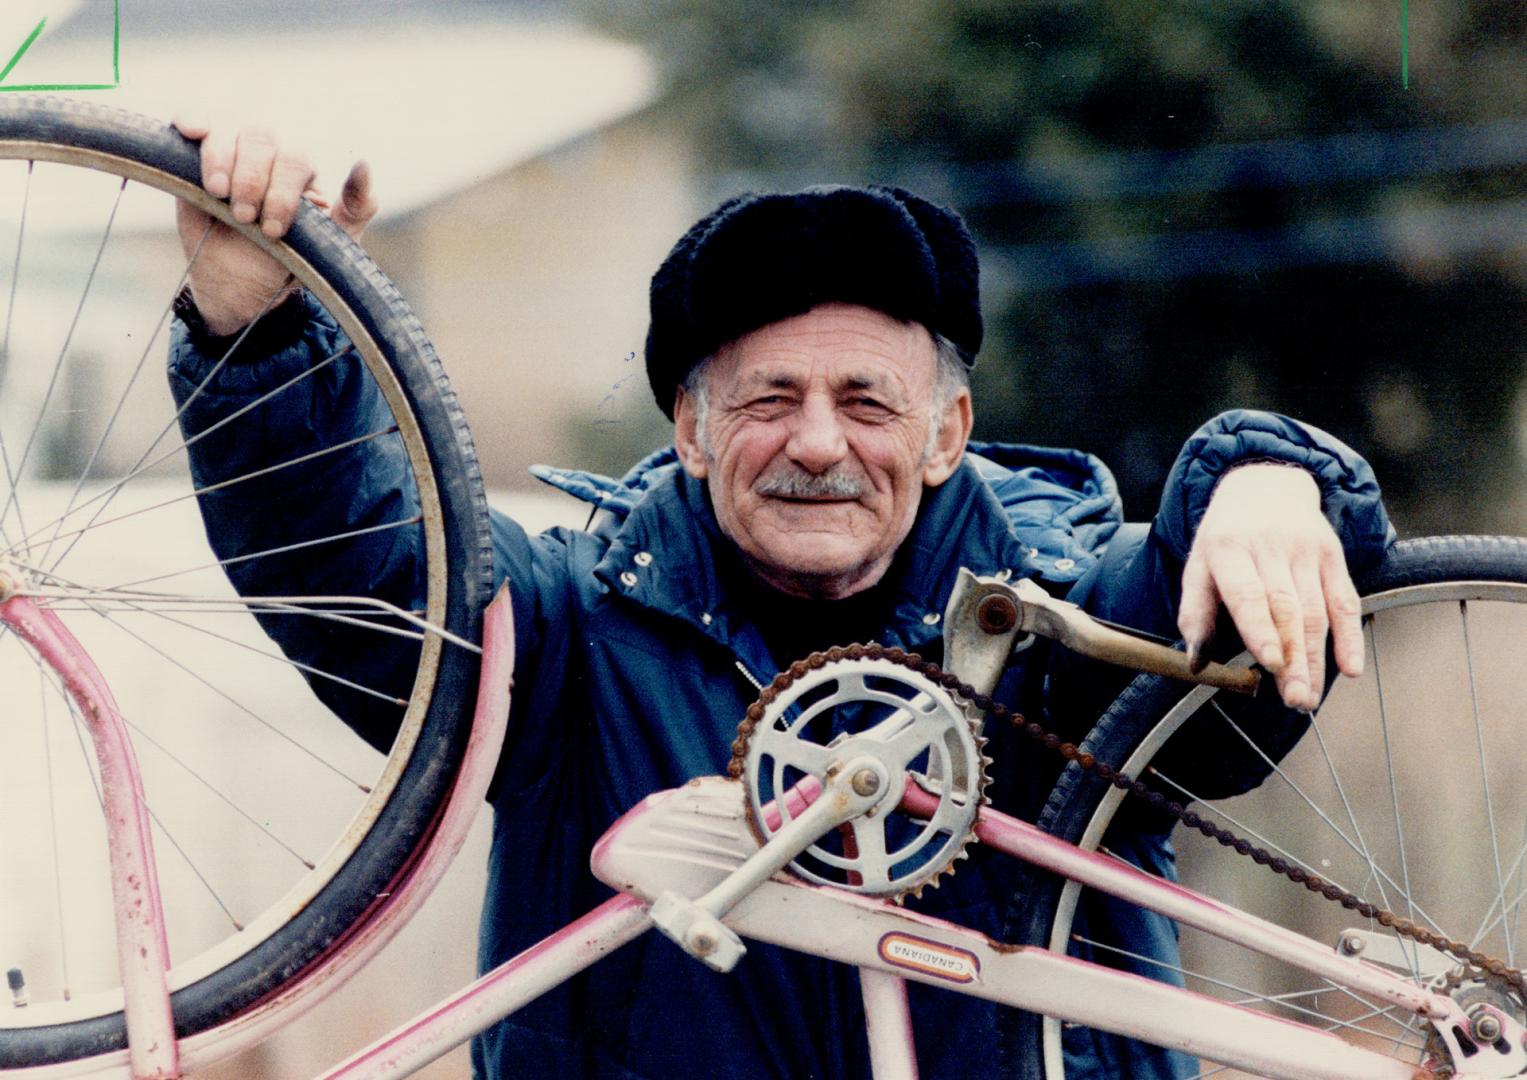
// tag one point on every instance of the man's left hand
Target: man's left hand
(1265, 550)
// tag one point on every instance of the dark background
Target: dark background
(1182, 207)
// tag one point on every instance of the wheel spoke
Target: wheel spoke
(279, 658)
(1484, 779)
(1247, 996)
(284, 549)
(346, 610)
(1353, 845)
(1377, 876)
(142, 465)
(104, 497)
(231, 700)
(1251, 833)
(58, 364)
(111, 423)
(1496, 913)
(217, 793)
(79, 732)
(196, 871)
(13, 475)
(1406, 893)
(95, 524)
(212, 374)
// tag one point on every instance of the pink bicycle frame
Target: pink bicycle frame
(641, 858)
(890, 944)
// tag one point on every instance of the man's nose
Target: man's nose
(817, 443)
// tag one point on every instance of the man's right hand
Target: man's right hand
(232, 280)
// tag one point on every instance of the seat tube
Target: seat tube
(888, 1021)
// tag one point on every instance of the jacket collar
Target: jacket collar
(1012, 511)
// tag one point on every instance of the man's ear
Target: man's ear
(686, 436)
(949, 448)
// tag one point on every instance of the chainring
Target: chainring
(848, 703)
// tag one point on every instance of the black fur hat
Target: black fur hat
(757, 259)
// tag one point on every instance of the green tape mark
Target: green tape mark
(116, 61)
(25, 45)
(31, 88)
(1405, 45)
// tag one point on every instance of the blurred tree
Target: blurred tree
(1182, 206)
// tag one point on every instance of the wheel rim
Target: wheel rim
(1438, 688)
(193, 959)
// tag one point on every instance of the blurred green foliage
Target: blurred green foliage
(1181, 206)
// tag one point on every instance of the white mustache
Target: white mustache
(804, 485)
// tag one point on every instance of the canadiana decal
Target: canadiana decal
(930, 957)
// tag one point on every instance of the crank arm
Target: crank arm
(1012, 608)
(850, 789)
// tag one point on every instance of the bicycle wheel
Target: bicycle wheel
(1402, 790)
(276, 830)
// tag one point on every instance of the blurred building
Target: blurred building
(526, 193)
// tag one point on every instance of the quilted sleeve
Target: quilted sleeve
(1349, 492)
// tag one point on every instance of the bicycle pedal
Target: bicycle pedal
(697, 932)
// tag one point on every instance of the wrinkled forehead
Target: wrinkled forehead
(838, 345)
(837, 377)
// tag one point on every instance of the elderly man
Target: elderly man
(812, 350)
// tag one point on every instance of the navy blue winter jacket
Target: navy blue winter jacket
(632, 673)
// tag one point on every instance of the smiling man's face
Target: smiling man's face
(816, 446)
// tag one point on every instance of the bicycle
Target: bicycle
(109, 495)
(1471, 582)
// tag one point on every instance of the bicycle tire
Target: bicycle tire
(454, 530)
(1417, 590)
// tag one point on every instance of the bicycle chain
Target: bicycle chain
(1490, 966)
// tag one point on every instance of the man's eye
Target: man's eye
(768, 404)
